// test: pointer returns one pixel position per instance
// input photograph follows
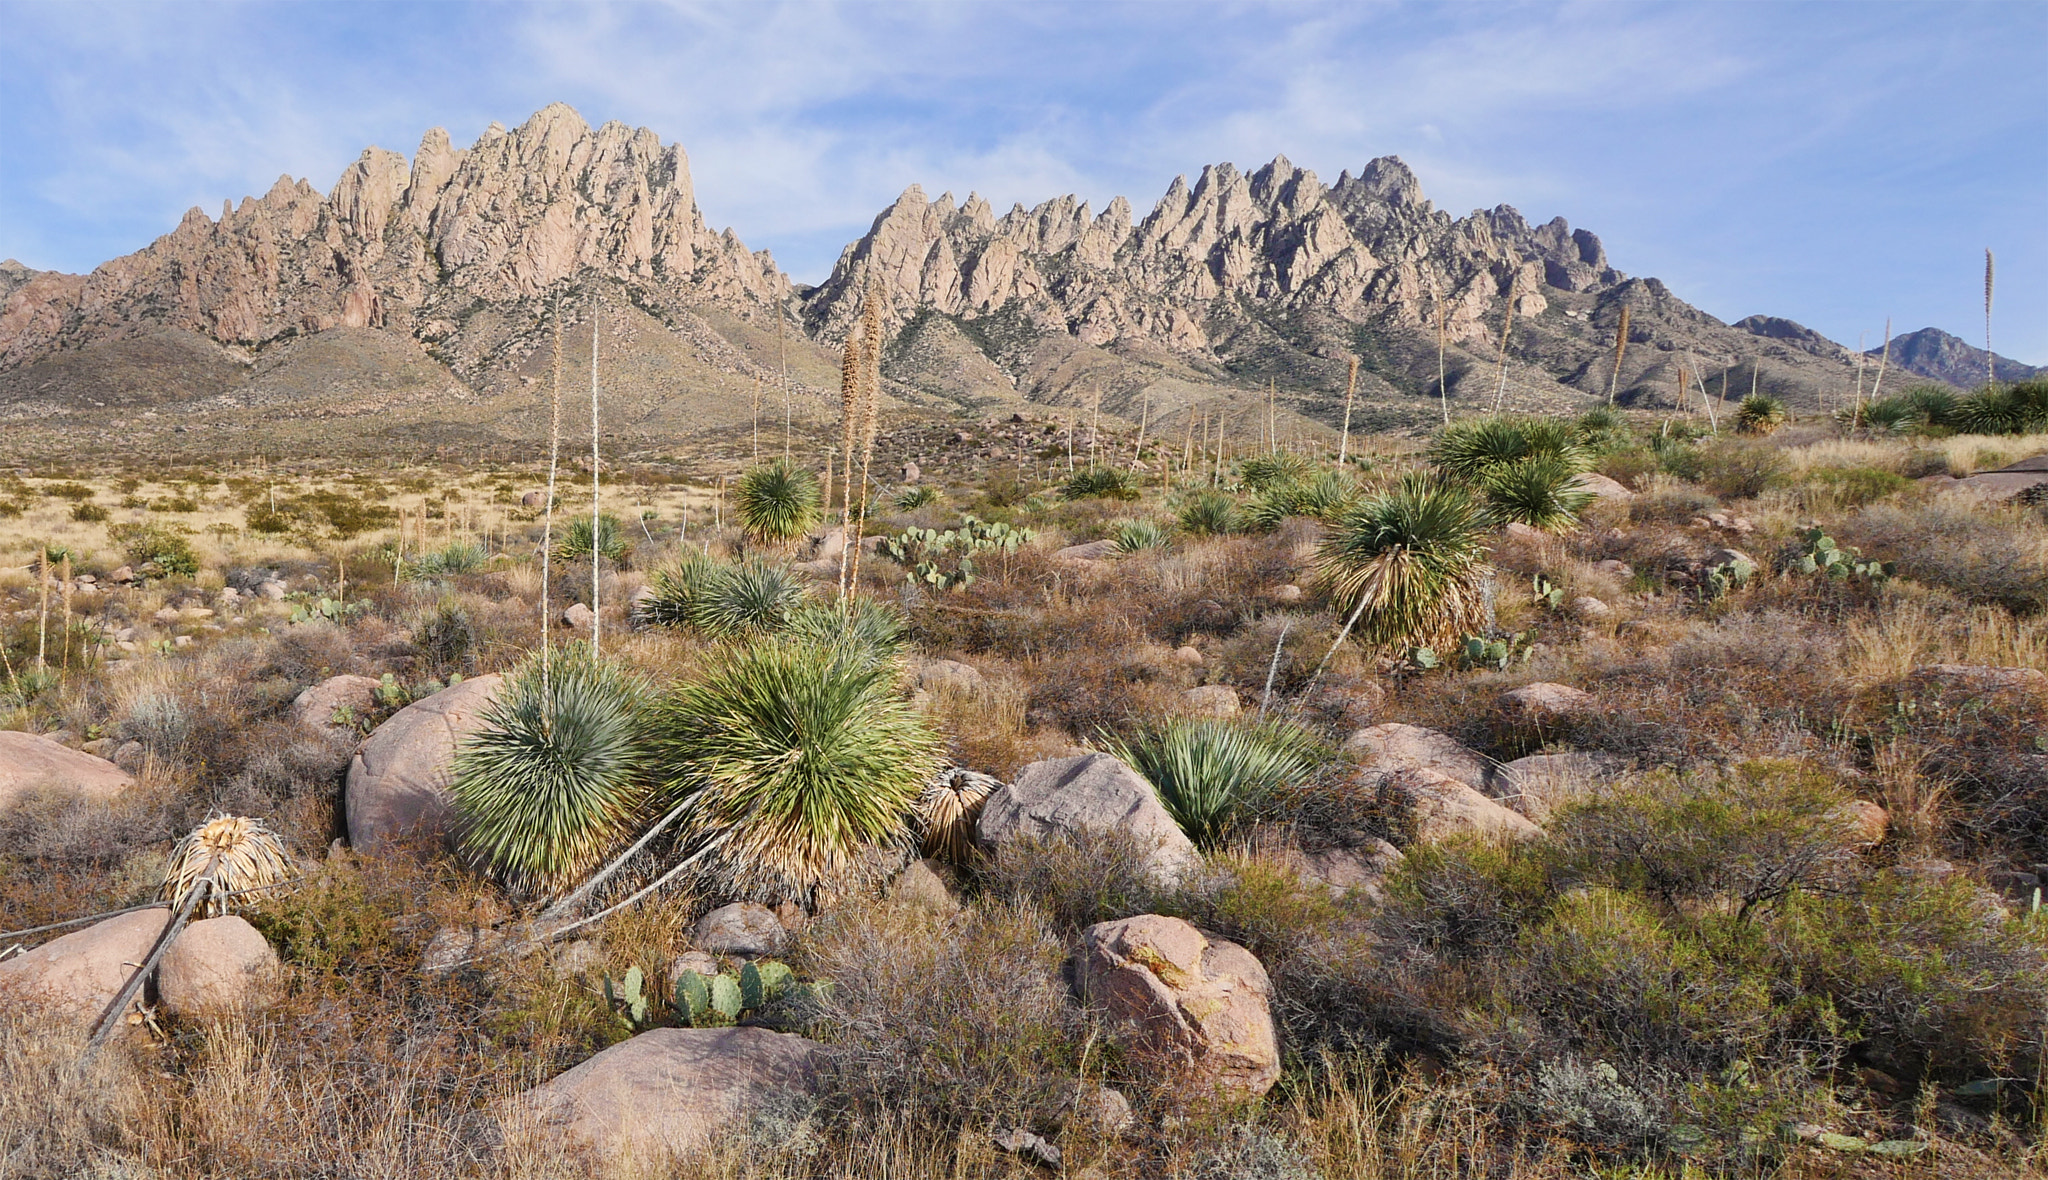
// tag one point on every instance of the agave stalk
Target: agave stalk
(871, 391)
(1990, 358)
(547, 527)
(1350, 390)
(1620, 349)
(596, 611)
(1507, 321)
(1883, 359)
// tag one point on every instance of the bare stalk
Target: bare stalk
(1620, 347)
(871, 393)
(547, 527)
(1350, 390)
(1883, 359)
(1500, 390)
(1990, 358)
(596, 320)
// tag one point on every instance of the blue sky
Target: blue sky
(1835, 163)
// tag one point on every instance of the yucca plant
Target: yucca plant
(1266, 471)
(1107, 483)
(243, 854)
(916, 496)
(871, 629)
(1759, 413)
(754, 597)
(1133, 535)
(2008, 409)
(456, 557)
(612, 544)
(1540, 492)
(1604, 429)
(1208, 513)
(555, 777)
(1410, 565)
(947, 810)
(787, 758)
(1213, 774)
(777, 501)
(1472, 449)
(676, 587)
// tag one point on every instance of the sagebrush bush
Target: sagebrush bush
(163, 548)
(1978, 556)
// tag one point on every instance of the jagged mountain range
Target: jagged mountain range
(422, 293)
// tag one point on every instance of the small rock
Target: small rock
(1188, 655)
(580, 957)
(912, 472)
(1518, 531)
(1866, 821)
(1020, 1142)
(1394, 746)
(925, 885)
(1539, 784)
(702, 962)
(1588, 609)
(533, 500)
(1727, 557)
(1443, 807)
(1287, 593)
(79, 974)
(743, 928)
(1212, 700)
(457, 946)
(948, 676)
(1603, 487)
(123, 575)
(317, 707)
(1341, 870)
(273, 591)
(218, 966)
(1619, 569)
(1205, 1002)
(129, 756)
(1088, 551)
(183, 641)
(1100, 1108)
(577, 617)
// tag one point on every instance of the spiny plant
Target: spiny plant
(1211, 774)
(1266, 471)
(1208, 513)
(554, 778)
(1540, 492)
(863, 626)
(2005, 409)
(1472, 449)
(1604, 429)
(752, 598)
(785, 760)
(944, 559)
(947, 810)
(916, 496)
(1759, 413)
(1410, 565)
(456, 557)
(777, 501)
(674, 588)
(612, 543)
(1107, 483)
(1133, 535)
(1923, 409)
(241, 853)
(1321, 496)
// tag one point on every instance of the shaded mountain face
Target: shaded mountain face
(1938, 356)
(417, 286)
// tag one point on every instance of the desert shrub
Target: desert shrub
(344, 516)
(1261, 905)
(786, 760)
(1539, 492)
(1323, 495)
(553, 779)
(753, 597)
(675, 587)
(1604, 432)
(450, 560)
(1108, 483)
(1208, 513)
(90, 513)
(1921, 410)
(1213, 774)
(1671, 505)
(162, 547)
(917, 496)
(1853, 487)
(1736, 471)
(449, 638)
(2005, 409)
(67, 490)
(1275, 470)
(1409, 565)
(1077, 880)
(777, 501)
(1759, 413)
(1980, 557)
(1464, 900)
(574, 542)
(1752, 835)
(962, 1027)
(873, 630)
(1472, 450)
(1133, 536)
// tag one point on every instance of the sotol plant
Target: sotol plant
(1211, 774)
(787, 758)
(1759, 413)
(555, 778)
(777, 501)
(1410, 565)
(1540, 492)
(612, 545)
(1472, 450)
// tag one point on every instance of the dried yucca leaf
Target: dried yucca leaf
(243, 853)
(948, 809)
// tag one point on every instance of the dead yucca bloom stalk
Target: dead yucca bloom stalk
(234, 852)
(871, 399)
(947, 811)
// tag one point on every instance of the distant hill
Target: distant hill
(1938, 356)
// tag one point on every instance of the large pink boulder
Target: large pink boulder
(79, 974)
(1396, 747)
(674, 1091)
(29, 762)
(398, 779)
(1203, 1002)
(217, 966)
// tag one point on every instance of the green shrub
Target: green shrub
(1540, 492)
(1410, 564)
(1108, 483)
(1759, 413)
(1208, 513)
(89, 513)
(751, 598)
(456, 557)
(777, 501)
(2005, 409)
(574, 542)
(1132, 536)
(1275, 470)
(1472, 450)
(916, 496)
(1928, 410)
(944, 560)
(67, 491)
(874, 630)
(160, 548)
(788, 759)
(1214, 774)
(675, 587)
(553, 780)
(1853, 487)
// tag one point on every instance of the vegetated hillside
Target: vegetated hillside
(1551, 797)
(1935, 354)
(1241, 296)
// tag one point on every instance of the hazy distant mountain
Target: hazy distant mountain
(1938, 356)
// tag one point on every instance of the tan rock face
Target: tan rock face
(1203, 1002)
(29, 762)
(1086, 793)
(674, 1090)
(217, 966)
(320, 705)
(1394, 746)
(81, 973)
(1545, 704)
(1443, 807)
(398, 779)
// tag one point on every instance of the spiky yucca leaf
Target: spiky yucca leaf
(612, 543)
(752, 598)
(674, 588)
(791, 758)
(244, 853)
(1211, 774)
(777, 501)
(1133, 535)
(1759, 413)
(1208, 513)
(871, 629)
(948, 809)
(1267, 471)
(1411, 563)
(1109, 483)
(916, 496)
(1538, 492)
(555, 778)
(1472, 449)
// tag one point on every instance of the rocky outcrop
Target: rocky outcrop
(398, 780)
(1065, 797)
(336, 702)
(1395, 747)
(79, 974)
(29, 763)
(1938, 356)
(1202, 1003)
